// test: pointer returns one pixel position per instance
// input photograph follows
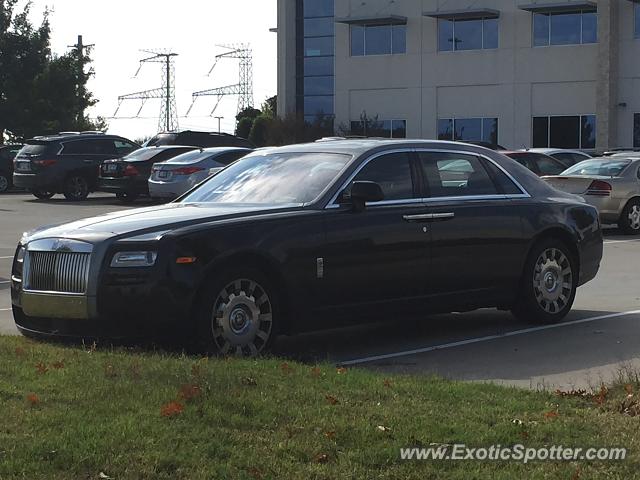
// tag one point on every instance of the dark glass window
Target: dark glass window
(549, 166)
(89, 147)
(540, 132)
(123, 148)
(380, 128)
(636, 130)
(357, 40)
(469, 129)
(318, 86)
(455, 175)
(316, 105)
(566, 28)
(505, 184)
(398, 129)
(318, 66)
(393, 173)
(319, 27)
(378, 39)
(540, 29)
(318, 46)
(318, 8)
(570, 131)
(474, 34)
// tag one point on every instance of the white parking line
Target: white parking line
(485, 339)
(5, 309)
(6, 258)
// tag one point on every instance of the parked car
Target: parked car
(7, 154)
(172, 178)
(199, 139)
(538, 163)
(128, 177)
(611, 184)
(568, 157)
(309, 237)
(489, 145)
(66, 163)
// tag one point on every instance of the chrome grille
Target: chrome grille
(64, 272)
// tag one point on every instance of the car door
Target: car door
(375, 262)
(476, 232)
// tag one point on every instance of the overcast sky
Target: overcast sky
(192, 28)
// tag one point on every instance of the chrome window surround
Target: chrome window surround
(332, 203)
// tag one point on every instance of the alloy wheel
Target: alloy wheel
(77, 188)
(553, 280)
(242, 319)
(634, 217)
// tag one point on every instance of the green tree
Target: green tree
(270, 107)
(260, 130)
(244, 121)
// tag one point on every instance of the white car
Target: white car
(568, 157)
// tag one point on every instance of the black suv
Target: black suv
(7, 154)
(198, 139)
(66, 163)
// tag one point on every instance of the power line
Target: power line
(168, 119)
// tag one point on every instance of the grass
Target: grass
(76, 413)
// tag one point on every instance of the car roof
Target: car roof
(72, 136)
(549, 151)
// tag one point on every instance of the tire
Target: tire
(76, 188)
(42, 194)
(127, 197)
(237, 313)
(629, 221)
(5, 182)
(549, 283)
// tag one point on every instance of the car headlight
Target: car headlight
(134, 259)
(20, 256)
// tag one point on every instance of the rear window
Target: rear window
(142, 154)
(162, 139)
(603, 167)
(32, 150)
(191, 157)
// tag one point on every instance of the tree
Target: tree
(270, 107)
(244, 121)
(260, 130)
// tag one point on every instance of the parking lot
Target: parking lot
(597, 341)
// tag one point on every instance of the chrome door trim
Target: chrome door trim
(429, 216)
(332, 203)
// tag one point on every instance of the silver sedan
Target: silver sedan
(611, 184)
(174, 177)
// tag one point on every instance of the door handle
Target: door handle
(429, 217)
(87, 161)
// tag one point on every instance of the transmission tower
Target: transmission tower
(168, 120)
(243, 89)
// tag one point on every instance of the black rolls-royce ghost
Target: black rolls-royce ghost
(313, 236)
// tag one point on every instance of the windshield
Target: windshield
(600, 167)
(142, 154)
(277, 178)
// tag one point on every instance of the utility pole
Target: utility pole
(219, 119)
(168, 120)
(80, 48)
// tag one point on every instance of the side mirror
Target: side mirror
(361, 192)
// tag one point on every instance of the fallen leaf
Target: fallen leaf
(58, 365)
(341, 370)
(33, 399)
(387, 383)
(41, 368)
(171, 409)
(321, 458)
(331, 399)
(330, 435)
(315, 372)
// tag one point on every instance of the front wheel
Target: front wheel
(630, 219)
(549, 283)
(76, 188)
(237, 314)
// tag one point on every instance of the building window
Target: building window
(475, 34)
(565, 131)
(379, 128)
(378, 39)
(636, 130)
(469, 129)
(567, 28)
(316, 33)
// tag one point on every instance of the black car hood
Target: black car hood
(142, 220)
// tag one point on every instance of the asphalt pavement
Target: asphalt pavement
(598, 341)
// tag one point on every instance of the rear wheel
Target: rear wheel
(42, 194)
(5, 182)
(76, 188)
(237, 314)
(630, 219)
(549, 284)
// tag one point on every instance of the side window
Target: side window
(393, 173)
(123, 148)
(76, 147)
(505, 184)
(230, 157)
(455, 175)
(89, 147)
